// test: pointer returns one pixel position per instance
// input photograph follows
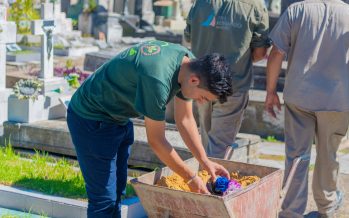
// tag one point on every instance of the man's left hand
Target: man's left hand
(215, 169)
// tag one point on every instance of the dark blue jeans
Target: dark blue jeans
(102, 149)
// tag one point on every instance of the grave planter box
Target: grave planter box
(23, 57)
(26, 111)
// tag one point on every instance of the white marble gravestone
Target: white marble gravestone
(47, 106)
(7, 35)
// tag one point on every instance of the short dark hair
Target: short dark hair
(214, 73)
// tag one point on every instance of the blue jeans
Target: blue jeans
(102, 149)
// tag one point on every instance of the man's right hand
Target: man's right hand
(198, 186)
(272, 100)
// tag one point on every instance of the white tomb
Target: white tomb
(7, 35)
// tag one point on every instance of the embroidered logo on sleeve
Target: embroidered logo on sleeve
(149, 50)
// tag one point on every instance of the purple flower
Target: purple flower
(68, 72)
(232, 186)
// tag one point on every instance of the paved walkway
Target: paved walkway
(272, 154)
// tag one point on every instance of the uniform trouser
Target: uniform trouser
(102, 149)
(328, 128)
(219, 123)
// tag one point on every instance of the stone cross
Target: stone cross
(45, 27)
(7, 35)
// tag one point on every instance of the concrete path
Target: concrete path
(273, 155)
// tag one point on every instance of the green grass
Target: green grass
(58, 46)
(271, 139)
(21, 52)
(271, 157)
(29, 44)
(344, 151)
(44, 174)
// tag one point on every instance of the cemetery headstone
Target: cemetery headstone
(47, 104)
(7, 35)
(108, 23)
(144, 9)
(63, 24)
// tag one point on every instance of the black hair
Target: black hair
(214, 73)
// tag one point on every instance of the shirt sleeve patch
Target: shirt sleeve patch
(150, 49)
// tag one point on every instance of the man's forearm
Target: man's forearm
(273, 69)
(190, 135)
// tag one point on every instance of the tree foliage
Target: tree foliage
(22, 12)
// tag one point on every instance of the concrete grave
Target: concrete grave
(94, 60)
(7, 35)
(53, 136)
(23, 57)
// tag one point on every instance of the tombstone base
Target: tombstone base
(4, 94)
(28, 111)
(52, 84)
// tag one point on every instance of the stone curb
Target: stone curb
(53, 206)
(34, 202)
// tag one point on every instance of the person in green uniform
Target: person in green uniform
(140, 81)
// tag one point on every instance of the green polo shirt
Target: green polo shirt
(232, 28)
(139, 81)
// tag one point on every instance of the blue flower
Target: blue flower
(221, 184)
